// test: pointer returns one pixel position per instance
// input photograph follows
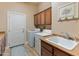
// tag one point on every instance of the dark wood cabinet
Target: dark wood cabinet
(45, 52)
(46, 49)
(43, 18)
(47, 46)
(36, 20)
(2, 45)
(39, 19)
(58, 52)
(48, 16)
(49, 50)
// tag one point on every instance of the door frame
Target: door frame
(16, 12)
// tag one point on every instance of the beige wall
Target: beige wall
(71, 27)
(43, 5)
(28, 8)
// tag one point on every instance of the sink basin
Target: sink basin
(65, 43)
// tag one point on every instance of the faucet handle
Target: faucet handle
(65, 34)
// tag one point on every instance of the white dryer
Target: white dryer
(38, 36)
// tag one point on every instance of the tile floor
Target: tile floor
(19, 51)
(22, 50)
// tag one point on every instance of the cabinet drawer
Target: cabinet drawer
(58, 52)
(45, 52)
(47, 46)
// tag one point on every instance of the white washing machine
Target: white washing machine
(31, 37)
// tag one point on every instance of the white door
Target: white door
(16, 28)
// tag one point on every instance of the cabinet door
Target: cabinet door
(58, 52)
(45, 52)
(2, 46)
(48, 16)
(46, 49)
(39, 19)
(42, 18)
(47, 46)
(35, 19)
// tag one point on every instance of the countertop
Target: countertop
(73, 52)
(2, 34)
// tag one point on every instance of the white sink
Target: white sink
(65, 43)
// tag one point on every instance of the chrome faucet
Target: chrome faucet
(68, 36)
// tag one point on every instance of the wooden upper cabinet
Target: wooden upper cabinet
(35, 20)
(48, 16)
(42, 18)
(39, 19)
